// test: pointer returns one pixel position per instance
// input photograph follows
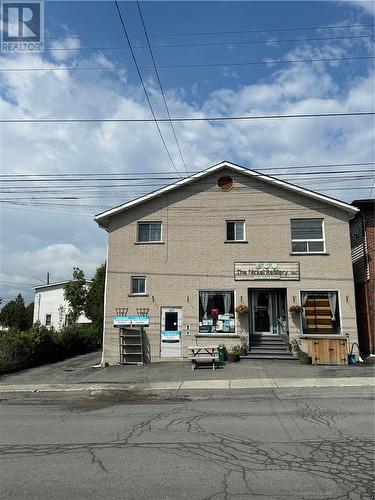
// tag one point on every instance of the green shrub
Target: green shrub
(41, 345)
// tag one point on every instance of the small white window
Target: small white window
(307, 235)
(138, 285)
(149, 232)
(48, 320)
(235, 230)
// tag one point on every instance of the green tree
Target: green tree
(75, 292)
(16, 315)
(94, 307)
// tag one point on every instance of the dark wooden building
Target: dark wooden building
(362, 234)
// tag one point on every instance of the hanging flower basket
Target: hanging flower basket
(296, 309)
(242, 309)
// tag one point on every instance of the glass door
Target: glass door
(262, 312)
(269, 311)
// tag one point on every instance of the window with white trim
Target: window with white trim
(307, 235)
(138, 285)
(321, 312)
(235, 230)
(48, 320)
(216, 312)
(149, 232)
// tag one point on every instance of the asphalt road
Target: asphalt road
(305, 444)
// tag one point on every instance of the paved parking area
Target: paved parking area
(78, 370)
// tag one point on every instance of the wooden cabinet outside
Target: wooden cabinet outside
(328, 350)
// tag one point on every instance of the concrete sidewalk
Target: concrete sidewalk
(213, 384)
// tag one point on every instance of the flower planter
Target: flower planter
(233, 358)
(304, 360)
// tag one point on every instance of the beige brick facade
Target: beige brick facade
(193, 255)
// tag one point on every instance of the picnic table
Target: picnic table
(204, 355)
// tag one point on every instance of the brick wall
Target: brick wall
(193, 254)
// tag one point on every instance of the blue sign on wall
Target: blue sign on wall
(131, 320)
(170, 335)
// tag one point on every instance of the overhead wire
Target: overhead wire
(184, 119)
(144, 87)
(198, 33)
(195, 65)
(213, 44)
(156, 172)
(161, 85)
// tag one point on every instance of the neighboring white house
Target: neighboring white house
(50, 307)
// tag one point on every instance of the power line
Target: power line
(260, 30)
(247, 42)
(142, 178)
(185, 119)
(202, 65)
(160, 85)
(212, 44)
(324, 165)
(144, 87)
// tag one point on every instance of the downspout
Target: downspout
(102, 363)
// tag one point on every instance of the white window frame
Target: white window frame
(220, 334)
(322, 290)
(45, 320)
(293, 240)
(237, 221)
(131, 285)
(149, 223)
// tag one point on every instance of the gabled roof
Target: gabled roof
(102, 217)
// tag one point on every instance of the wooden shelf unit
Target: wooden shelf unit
(131, 345)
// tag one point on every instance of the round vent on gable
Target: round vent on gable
(225, 183)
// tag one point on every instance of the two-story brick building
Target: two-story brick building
(192, 252)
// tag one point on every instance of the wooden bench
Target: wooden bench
(203, 355)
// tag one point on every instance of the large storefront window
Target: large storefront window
(216, 312)
(321, 312)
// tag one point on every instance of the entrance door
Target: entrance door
(262, 312)
(268, 311)
(170, 332)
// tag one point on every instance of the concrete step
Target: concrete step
(258, 348)
(269, 351)
(287, 356)
(270, 344)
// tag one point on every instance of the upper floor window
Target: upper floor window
(149, 232)
(307, 235)
(48, 320)
(235, 230)
(138, 285)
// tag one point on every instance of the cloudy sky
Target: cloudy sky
(56, 176)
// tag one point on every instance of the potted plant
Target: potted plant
(304, 358)
(242, 309)
(235, 353)
(295, 309)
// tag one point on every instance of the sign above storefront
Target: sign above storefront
(258, 271)
(130, 320)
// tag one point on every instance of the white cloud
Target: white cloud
(364, 5)
(65, 48)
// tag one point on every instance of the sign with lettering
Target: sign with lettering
(131, 320)
(170, 335)
(261, 271)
